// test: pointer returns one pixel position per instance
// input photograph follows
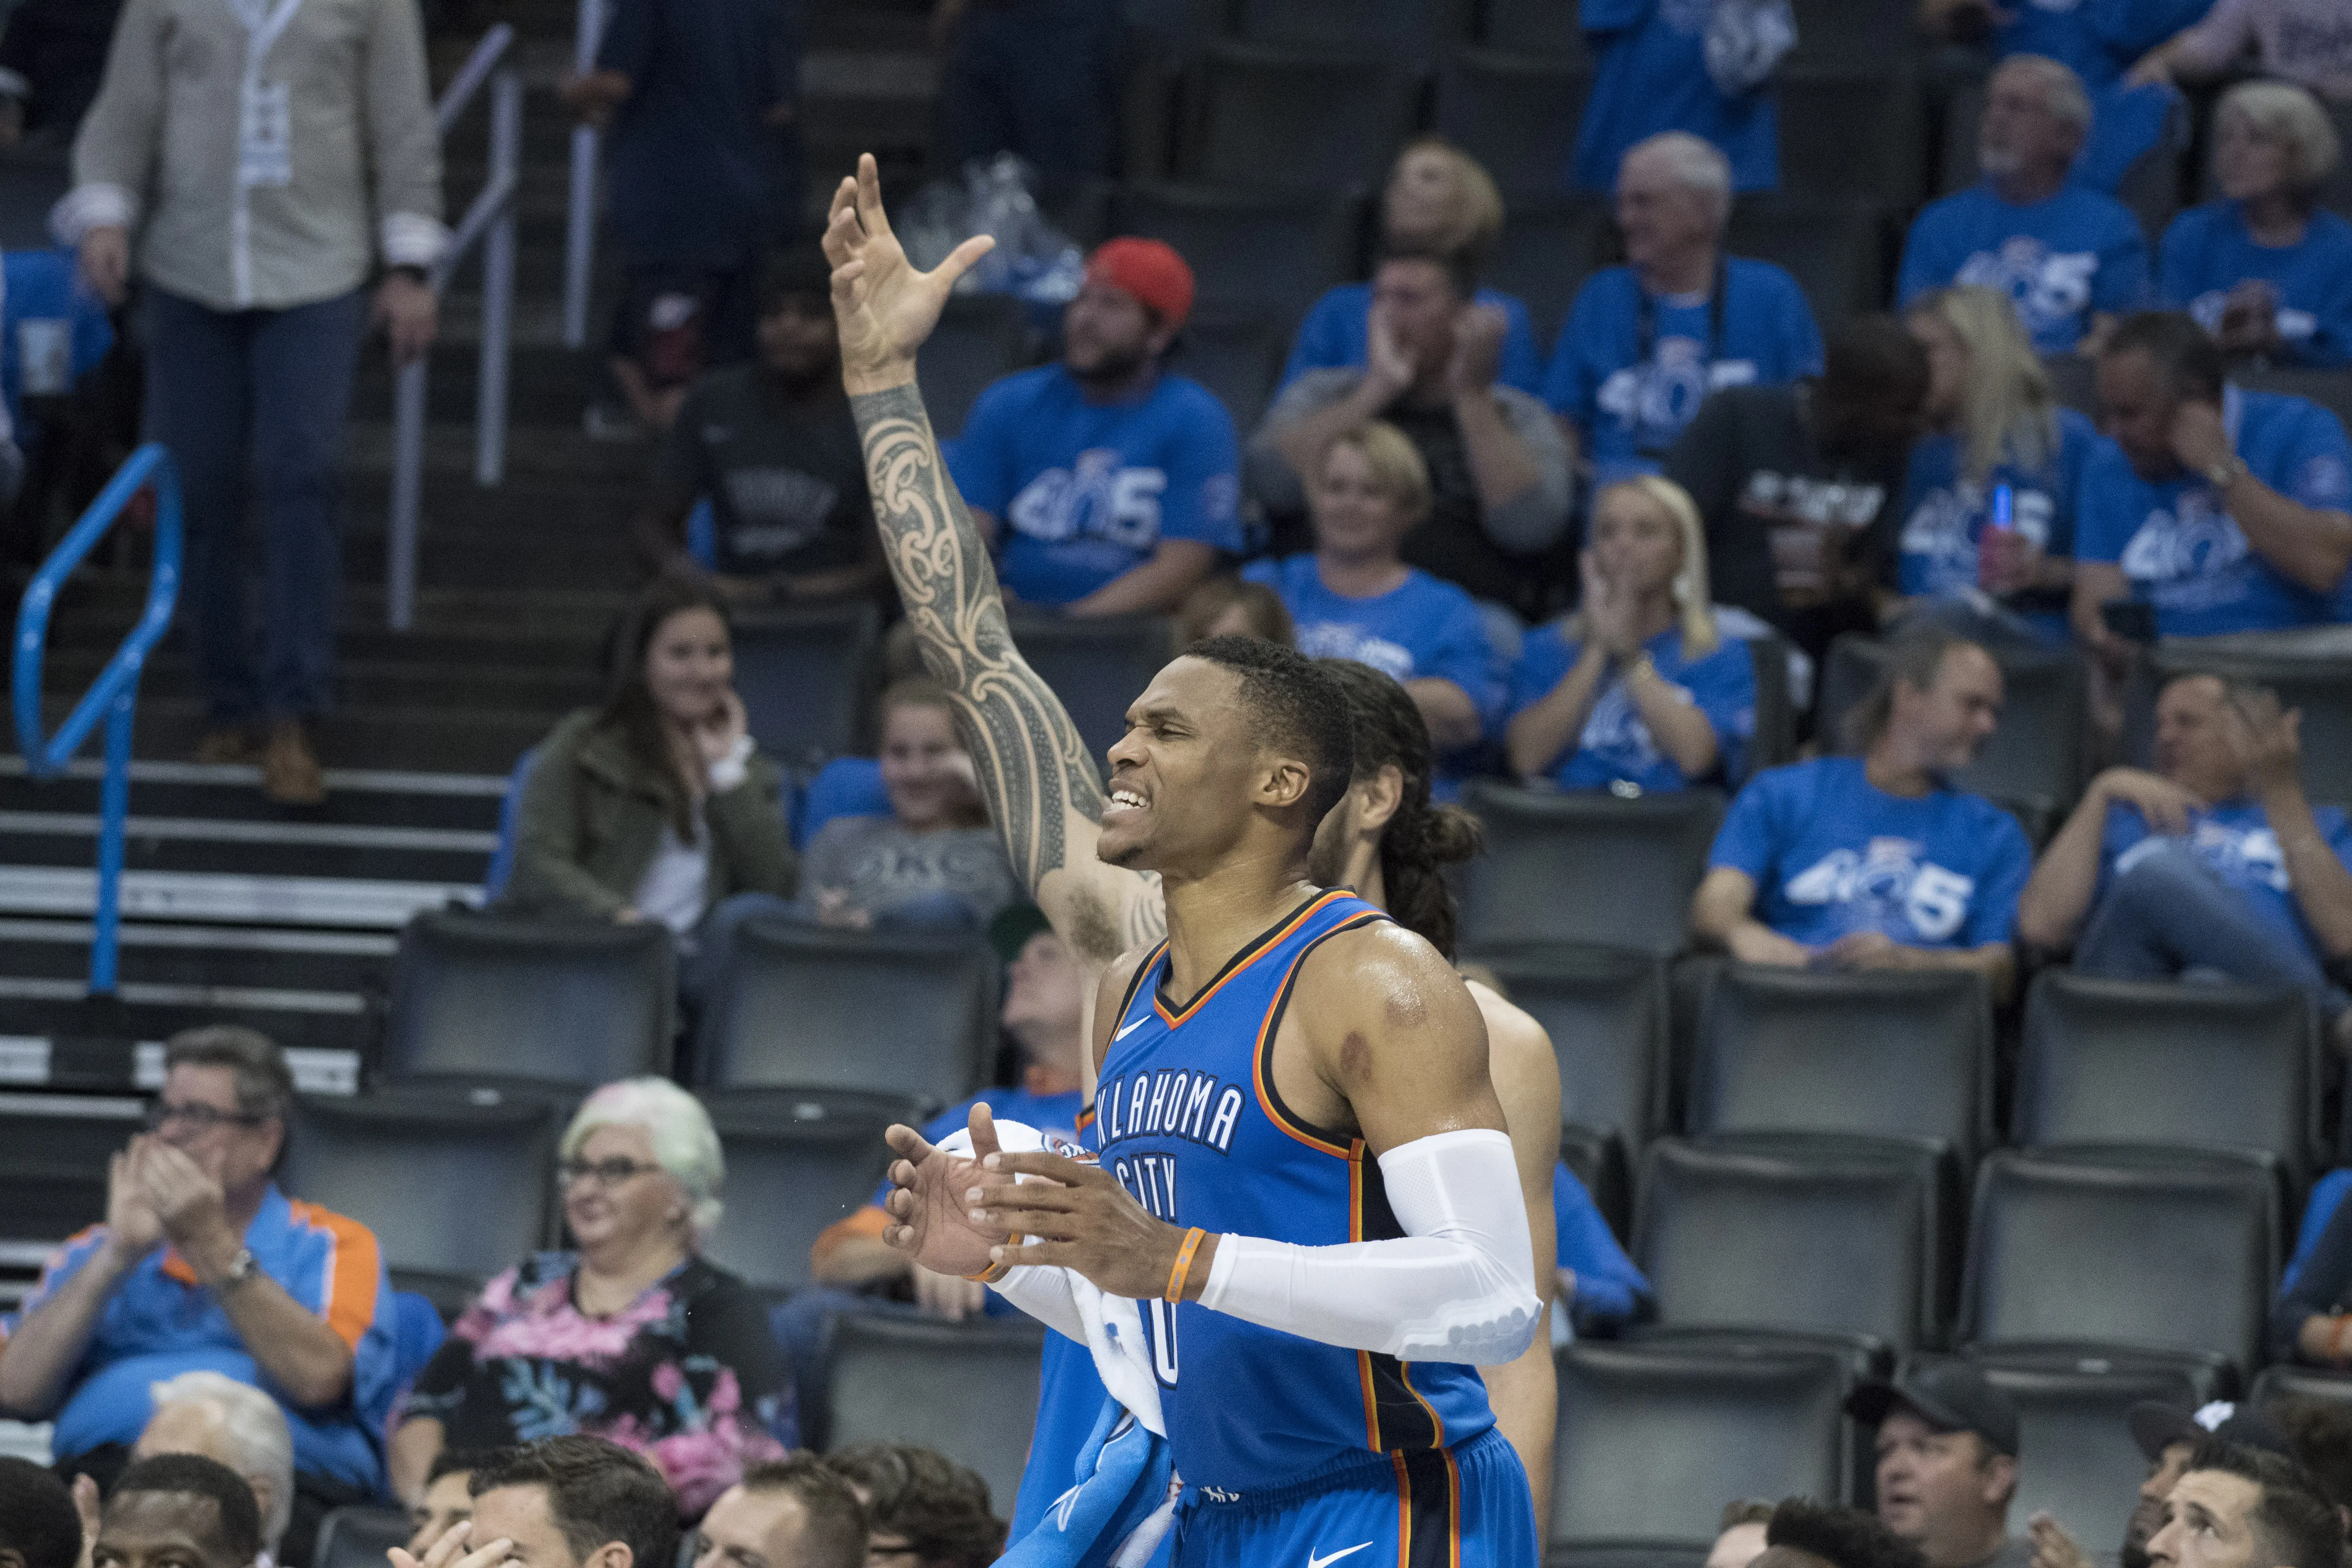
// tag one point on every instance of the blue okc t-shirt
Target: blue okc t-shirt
(1945, 514)
(2207, 252)
(2181, 552)
(1832, 855)
(1424, 628)
(2235, 840)
(1650, 75)
(1336, 335)
(1615, 745)
(1085, 492)
(2058, 259)
(1629, 407)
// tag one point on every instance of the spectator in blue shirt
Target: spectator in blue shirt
(1650, 74)
(1107, 483)
(1637, 692)
(1996, 441)
(1355, 598)
(2266, 269)
(1438, 199)
(2067, 257)
(2228, 510)
(1874, 861)
(1645, 342)
(2216, 862)
(1598, 1283)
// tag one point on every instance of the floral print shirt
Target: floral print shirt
(688, 1374)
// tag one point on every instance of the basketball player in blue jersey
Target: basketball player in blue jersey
(1045, 796)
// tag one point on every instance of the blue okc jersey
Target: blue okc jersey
(1187, 1118)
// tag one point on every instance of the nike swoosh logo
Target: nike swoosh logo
(1122, 1035)
(1315, 1562)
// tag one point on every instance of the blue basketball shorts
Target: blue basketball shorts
(1438, 1508)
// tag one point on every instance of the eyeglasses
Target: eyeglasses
(203, 1117)
(603, 1172)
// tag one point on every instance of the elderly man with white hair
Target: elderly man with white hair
(232, 1423)
(1645, 342)
(2070, 258)
(632, 1336)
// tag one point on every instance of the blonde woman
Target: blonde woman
(1638, 691)
(2265, 269)
(1988, 536)
(1438, 201)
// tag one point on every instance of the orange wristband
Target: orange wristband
(1184, 1265)
(995, 1271)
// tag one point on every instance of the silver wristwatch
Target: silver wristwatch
(241, 1267)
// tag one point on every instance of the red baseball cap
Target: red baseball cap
(1150, 271)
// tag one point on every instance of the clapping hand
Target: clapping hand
(883, 307)
(931, 1219)
(1608, 611)
(182, 1194)
(133, 1227)
(1388, 365)
(1478, 333)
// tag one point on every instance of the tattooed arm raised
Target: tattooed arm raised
(1045, 792)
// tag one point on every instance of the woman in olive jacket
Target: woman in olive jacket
(656, 806)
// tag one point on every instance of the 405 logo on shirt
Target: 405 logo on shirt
(1887, 887)
(2047, 286)
(1094, 497)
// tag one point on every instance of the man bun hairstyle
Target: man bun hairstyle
(834, 1536)
(2294, 1524)
(1843, 1537)
(236, 1517)
(37, 1521)
(1421, 840)
(1295, 708)
(597, 1492)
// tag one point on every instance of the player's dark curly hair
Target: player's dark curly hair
(939, 1507)
(1420, 838)
(1293, 709)
(1843, 1537)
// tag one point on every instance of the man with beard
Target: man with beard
(1106, 485)
(2170, 1436)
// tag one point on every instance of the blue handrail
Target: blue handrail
(115, 691)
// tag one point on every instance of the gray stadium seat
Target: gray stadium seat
(457, 1186)
(1874, 1053)
(1586, 867)
(2321, 686)
(1836, 1239)
(1848, 130)
(2059, 1253)
(1625, 1555)
(2159, 1063)
(1296, 119)
(1605, 1010)
(1596, 1158)
(802, 675)
(1238, 355)
(1547, 249)
(1852, 32)
(54, 1150)
(967, 1390)
(1517, 114)
(907, 1014)
(575, 1001)
(358, 1537)
(1250, 250)
(980, 338)
(1833, 246)
(2039, 754)
(795, 1163)
(1097, 666)
(1653, 1438)
(2280, 1380)
(1775, 741)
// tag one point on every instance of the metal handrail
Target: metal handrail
(491, 222)
(115, 691)
(580, 214)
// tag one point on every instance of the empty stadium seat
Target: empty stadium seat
(1884, 1052)
(1517, 114)
(2039, 752)
(1098, 665)
(1409, 27)
(1653, 1438)
(2121, 1061)
(1586, 867)
(897, 1013)
(2281, 1381)
(2163, 1254)
(1544, 252)
(360, 1537)
(1852, 32)
(980, 338)
(802, 675)
(1238, 356)
(1823, 105)
(1833, 1239)
(795, 1163)
(1529, 28)
(1835, 245)
(54, 1150)
(967, 1390)
(570, 1001)
(1263, 251)
(1775, 741)
(457, 1186)
(2320, 685)
(1296, 119)
(1605, 1010)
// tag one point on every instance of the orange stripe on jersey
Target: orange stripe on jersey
(1086, 1117)
(1452, 1510)
(1436, 1422)
(351, 1272)
(175, 1267)
(1404, 1510)
(1264, 945)
(1260, 1057)
(1371, 1401)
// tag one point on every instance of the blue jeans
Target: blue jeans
(2171, 913)
(271, 390)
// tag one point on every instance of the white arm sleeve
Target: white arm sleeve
(1457, 1287)
(1046, 1295)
